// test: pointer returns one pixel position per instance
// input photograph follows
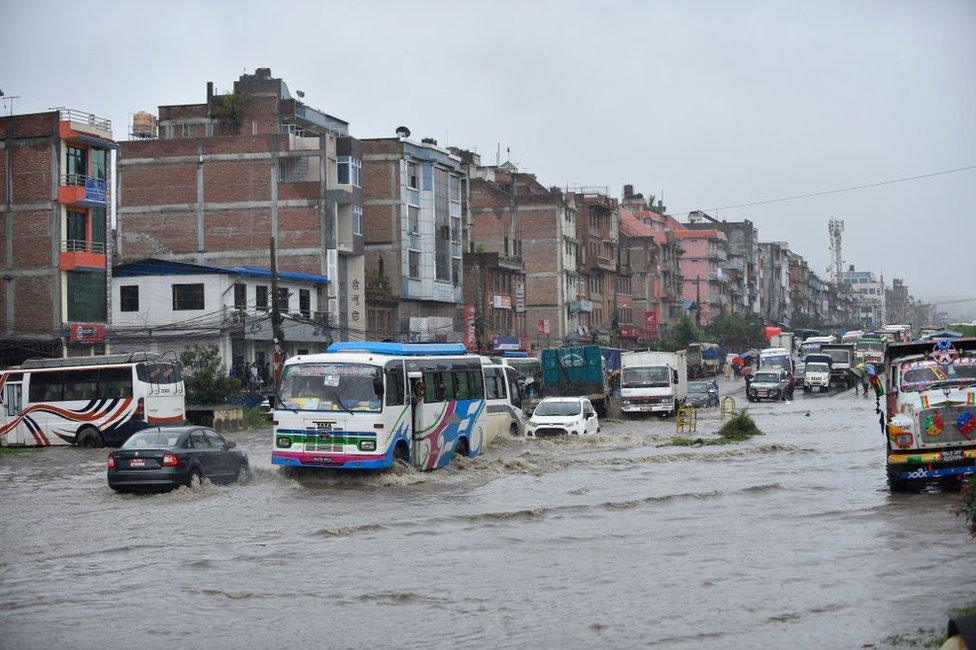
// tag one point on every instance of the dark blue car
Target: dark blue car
(166, 458)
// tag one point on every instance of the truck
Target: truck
(576, 372)
(711, 358)
(783, 340)
(816, 372)
(842, 355)
(653, 382)
(696, 365)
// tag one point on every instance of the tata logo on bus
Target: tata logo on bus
(86, 333)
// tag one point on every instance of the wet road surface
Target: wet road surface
(789, 539)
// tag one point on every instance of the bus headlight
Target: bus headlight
(283, 441)
(367, 445)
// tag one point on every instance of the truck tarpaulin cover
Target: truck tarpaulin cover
(773, 331)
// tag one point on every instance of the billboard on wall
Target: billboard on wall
(543, 326)
(86, 333)
(469, 334)
(650, 323)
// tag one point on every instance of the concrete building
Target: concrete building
(869, 295)
(898, 302)
(221, 178)
(166, 306)
(597, 229)
(413, 205)
(641, 275)
(660, 303)
(53, 226)
(803, 313)
(742, 266)
(494, 289)
(704, 281)
(774, 283)
(543, 234)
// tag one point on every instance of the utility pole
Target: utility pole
(278, 338)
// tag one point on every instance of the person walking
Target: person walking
(254, 375)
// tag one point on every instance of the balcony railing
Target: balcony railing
(95, 189)
(81, 117)
(82, 246)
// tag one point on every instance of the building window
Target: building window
(357, 220)
(240, 295)
(77, 166)
(456, 271)
(413, 266)
(305, 302)
(187, 297)
(456, 230)
(77, 231)
(413, 219)
(261, 297)
(349, 171)
(413, 176)
(98, 166)
(86, 296)
(283, 298)
(129, 297)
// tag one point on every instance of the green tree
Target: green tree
(685, 332)
(736, 329)
(205, 377)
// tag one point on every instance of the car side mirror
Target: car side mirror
(590, 415)
(378, 386)
(231, 444)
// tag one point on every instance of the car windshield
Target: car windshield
(159, 439)
(766, 377)
(331, 387)
(553, 407)
(776, 361)
(873, 346)
(697, 387)
(656, 376)
(922, 374)
(838, 355)
(817, 367)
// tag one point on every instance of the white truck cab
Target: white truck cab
(653, 382)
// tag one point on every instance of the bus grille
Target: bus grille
(322, 442)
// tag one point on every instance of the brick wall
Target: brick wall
(32, 239)
(33, 310)
(145, 235)
(30, 165)
(162, 184)
(236, 229)
(298, 228)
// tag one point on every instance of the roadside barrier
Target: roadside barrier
(686, 419)
(727, 407)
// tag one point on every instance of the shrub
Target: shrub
(254, 418)
(739, 427)
(967, 510)
(205, 377)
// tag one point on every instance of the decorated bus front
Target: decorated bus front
(367, 405)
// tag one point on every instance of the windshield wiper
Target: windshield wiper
(338, 400)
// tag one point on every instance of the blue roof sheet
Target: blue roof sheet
(169, 267)
(399, 349)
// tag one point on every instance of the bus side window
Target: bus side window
(513, 391)
(115, 383)
(430, 387)
(45, 386)
(461, 384)
(447, 379)
(80, 384)
(394, 387)
(491, 387)
(475, 384)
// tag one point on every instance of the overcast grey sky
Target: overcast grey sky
(716, 103)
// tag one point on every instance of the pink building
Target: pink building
(703, 282)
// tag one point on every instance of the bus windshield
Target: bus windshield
(653, 377)
(332, 387)
(839, 355)
(922, 374)
(873, 346)
(776, 360)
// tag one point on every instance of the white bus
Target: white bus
(503, 399)
(88, 401)
(366, 405)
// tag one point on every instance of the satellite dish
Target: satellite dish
(403, 132)
(300, 93)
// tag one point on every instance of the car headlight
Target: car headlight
(367, 445)
(283, 441)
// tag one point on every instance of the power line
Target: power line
(851, 188)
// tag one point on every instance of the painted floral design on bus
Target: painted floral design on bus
(106, 415)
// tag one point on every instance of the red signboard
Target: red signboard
(86, 333)
(650, 322)
(469, 336)
(544, 326)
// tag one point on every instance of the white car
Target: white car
(556, 416)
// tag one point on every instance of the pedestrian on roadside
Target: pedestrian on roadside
(254, 375)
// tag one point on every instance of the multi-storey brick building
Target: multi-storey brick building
(53, 224)
(225, 176)
(597, 222)
(664, 308)
(704, 282)
(774, 283)
(543, 234)
(413, 228)
(803, 311)
(741, 267)
(640, 270)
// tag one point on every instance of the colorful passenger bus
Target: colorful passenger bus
(366, 405)
(88, 401)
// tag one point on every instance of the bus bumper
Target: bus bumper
(325, 460)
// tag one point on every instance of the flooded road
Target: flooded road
(789, 539)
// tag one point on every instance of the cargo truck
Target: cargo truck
(653, 382)
(576, 372)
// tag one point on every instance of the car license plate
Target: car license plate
(322, 459)
(137, 462)
(952, 454)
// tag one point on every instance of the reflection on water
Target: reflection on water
(615, 539)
